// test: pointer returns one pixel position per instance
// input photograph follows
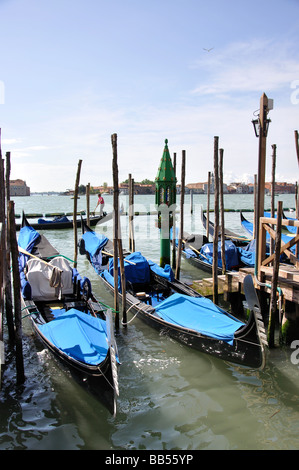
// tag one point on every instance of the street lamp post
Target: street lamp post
(261, 126)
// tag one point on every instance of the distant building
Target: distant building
(196, 188)
(19, 188)
(281, 188)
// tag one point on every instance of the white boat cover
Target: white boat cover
(40, 274)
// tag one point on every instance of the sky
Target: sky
(74, 72)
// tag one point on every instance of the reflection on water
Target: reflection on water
(171, 397)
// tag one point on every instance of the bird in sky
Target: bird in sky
(208, 50)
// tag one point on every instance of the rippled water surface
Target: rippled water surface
(171, 397)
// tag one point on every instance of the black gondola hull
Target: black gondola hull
(246, 349)
(66, 225)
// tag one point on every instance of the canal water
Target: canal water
(171, 397)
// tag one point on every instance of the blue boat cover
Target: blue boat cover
(284, 237)
(247, 254)
(28, 237)
(231, 254)
(199, 314)
(137, 271)
(63, 218)
(165, 272)
(94, 242)
(78, 335)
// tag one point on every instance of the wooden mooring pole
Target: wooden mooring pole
(174, 224)
(2, 260)
(131, 214)
(115, 226)
(273, 192)
(273, 298)
(297, 145)
(208, 203)
(222, 224)
(179, 251)
(87, 203)
(261, 238)
(216, 222)
(17, 295)
(7, 283)
(75, 213)
(297, 196)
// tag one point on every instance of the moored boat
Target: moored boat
(63, 222)
(175, 309)
(238, 239)
(199, 253)
(67, 317)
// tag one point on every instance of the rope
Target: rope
(30, 313)
(133, 305)
(62, 256)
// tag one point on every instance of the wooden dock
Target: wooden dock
(288, 282)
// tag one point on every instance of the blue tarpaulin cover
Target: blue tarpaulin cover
(247, 254)
(94, 242)
(165, 272)
(231, 254)
(137, 271)
(78, 335)
(28, 237)
(200, 314)
(63, 218)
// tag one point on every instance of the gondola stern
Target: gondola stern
(252, 302)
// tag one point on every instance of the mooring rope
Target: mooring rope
(133, 305)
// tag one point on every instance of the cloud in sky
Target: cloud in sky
(140, 70)
(248, 67)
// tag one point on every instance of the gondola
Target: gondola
(290, 228)
(63, 222)
(67, 317)
(248, 226)
(198, 252)
(236, 238)
(175, 309)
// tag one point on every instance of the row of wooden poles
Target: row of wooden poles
(275, 245)
(10, 294)
(117, 240)
(11, 303)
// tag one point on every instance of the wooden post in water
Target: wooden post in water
(131, 214)
(297, 198)
(8, 287)
(208, 203)
(191, 201)
(297, 231)
(178, 263)
(122, 280)
(222, 211)
(216, 222)
(115, 226)
(273, 193)
(261, 237)
(2, 256)
(75, 213)
(17, 295)
(255, 228)
(88, 204)
(273, 307)
(174, 223)
(297, 145)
